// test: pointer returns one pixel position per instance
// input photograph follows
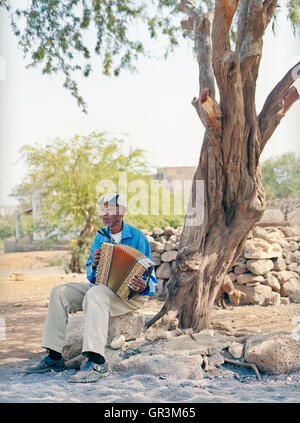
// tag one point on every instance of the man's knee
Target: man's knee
(63, 294)
(59, 290)
(55, 292)
(97, 293)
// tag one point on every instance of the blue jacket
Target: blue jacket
(130, 236)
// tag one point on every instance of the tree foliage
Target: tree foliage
(281, 176)
(65, 36)
(7, 227)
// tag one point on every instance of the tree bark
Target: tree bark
(233, 196)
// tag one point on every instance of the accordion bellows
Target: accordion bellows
(118, 264)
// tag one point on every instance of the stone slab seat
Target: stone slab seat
(130, 325)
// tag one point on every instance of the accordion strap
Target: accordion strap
(104, 233)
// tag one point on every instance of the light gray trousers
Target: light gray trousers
(98, 303)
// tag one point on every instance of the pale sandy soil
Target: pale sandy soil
(23, 308)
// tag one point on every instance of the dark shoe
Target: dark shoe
(46, 365)
(90, 372)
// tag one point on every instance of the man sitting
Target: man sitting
(97, 301)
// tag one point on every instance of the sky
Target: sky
(150, 109)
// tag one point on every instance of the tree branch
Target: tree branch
(225, 61)
(243, 9)
(224, 12)
(278, 102)
(254, 17)
(209, 112)
(243, 364)
(200, 24)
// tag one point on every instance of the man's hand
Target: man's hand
(96, 257)
(138, 284)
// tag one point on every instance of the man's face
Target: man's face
(110, 214)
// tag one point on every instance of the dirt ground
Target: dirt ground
(26, 280)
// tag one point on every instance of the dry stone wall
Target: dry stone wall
(268, 270)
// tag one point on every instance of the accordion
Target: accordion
(118, 264)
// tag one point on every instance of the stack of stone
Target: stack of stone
(268, 270)
(164, 248)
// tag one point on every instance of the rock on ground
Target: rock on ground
(162, 365)
(273, 352)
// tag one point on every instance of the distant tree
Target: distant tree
(7, 227)
(69, 173)
(281, 176)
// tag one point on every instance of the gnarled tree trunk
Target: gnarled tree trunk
(234, 138)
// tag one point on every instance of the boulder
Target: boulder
(272, 215)
(205, 344)
(249, 277)
(215, 360)
(254, 294)
(272, 281)
(290, 287)
(156, 258)
(260, 267)
(164, 271)
(172, 238)
(293, 246)
(236, 349)
(161, 239)
(285, 275)
(279, 263)
(232, 276)
(162, 365)
(130, 325)
(259, 232)
(273, 352)
(295, 257)
(156, 232)
(241, 261)
(154, 335)
(273, 298)
(286, 254)
(169, 230)
(170, 246)
(294, 267)
(168, 256)
(73, 341)
(156, 246)
(238, 270)
(295, 296)
(271, 236)
(257, 248)
(291, 231)
(118, 343)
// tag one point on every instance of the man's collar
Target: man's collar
(126, 233)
